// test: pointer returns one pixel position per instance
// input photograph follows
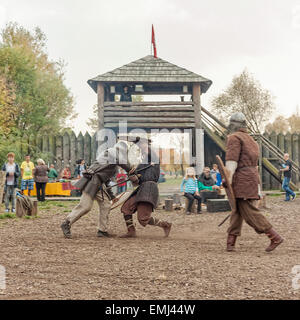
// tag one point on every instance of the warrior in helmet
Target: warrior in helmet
(145, 198)
(242, 154)
(94, 186)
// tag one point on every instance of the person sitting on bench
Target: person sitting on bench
(189, 187)
(207, 183)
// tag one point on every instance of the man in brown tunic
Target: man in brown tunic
(242, 154)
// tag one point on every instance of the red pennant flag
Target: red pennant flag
(153, 43)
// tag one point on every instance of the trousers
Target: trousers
(85, 205)
(246, 210)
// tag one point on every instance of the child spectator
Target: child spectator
(12, 175)
(27, 182)
(189, 187)
(122, 185)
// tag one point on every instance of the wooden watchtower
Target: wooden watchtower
(153, 76)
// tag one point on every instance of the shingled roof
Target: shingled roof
(150, 69)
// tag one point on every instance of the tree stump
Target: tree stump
(194, 207)
(176, 198)
(169, 204)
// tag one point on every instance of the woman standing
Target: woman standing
(41, 179)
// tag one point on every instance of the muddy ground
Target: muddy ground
(191, 264)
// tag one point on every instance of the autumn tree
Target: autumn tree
(43, 103)
(245, 94)
(7, 108)
(283, 125)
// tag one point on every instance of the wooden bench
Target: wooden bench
(217, 205)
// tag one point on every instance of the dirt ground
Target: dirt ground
(191, 264)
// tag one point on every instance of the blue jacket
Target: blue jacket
(17, 174)
(189, 185)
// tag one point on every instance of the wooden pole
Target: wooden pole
(100, 93)
(199, 129)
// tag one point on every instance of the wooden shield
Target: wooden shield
(229, 190)
(121, 199)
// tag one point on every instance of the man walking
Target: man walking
(242, 154)
(144, 199)
(94, 185)
(287, 173)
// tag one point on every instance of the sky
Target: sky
(216, 39)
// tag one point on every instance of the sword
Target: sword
(224, 220)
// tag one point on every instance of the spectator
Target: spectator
(80, 168)
(216, 175)
(189, 188)
(27, 182)
(12, 175)
(126, 95)
(52, 175)
(206, 181)
(66, 173)
(121, 177)
(41, 179)
(287, 172)
(214, 171)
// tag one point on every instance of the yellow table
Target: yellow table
(54, 189)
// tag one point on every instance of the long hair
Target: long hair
(190, 172)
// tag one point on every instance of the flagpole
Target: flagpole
(151, 42)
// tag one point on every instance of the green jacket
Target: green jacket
(201, 187)
(52, 174)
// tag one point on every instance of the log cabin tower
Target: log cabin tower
(154, 76)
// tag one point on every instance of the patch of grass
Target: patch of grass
(7, 215)
(31, 217)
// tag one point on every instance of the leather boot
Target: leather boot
(231, 242)
(166, 226)
(130, 233)
(66, 228)
(275, 238)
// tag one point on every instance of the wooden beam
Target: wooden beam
(149, 109)
(148, 120)
(159, 114)
(149, 103)
(199, 129)
(100, 94)
(153, 125)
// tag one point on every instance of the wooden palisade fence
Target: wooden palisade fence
(67, 148)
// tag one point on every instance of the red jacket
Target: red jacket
(120, 178)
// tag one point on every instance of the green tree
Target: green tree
(245, 94)
(42, 101)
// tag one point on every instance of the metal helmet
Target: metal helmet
(238, 117)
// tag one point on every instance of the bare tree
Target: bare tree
(246, 95)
